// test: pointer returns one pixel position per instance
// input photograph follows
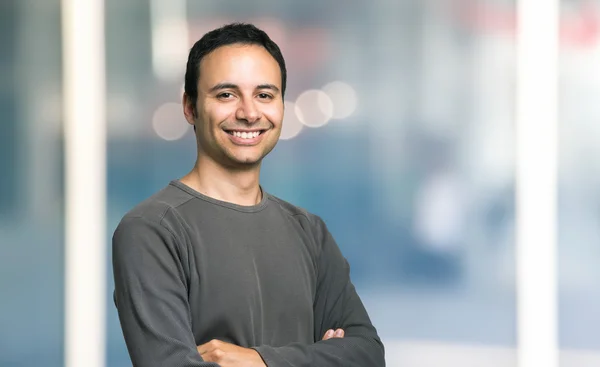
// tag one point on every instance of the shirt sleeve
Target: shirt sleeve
(336, 305)
(151, 296)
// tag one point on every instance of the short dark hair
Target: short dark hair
(233, 33)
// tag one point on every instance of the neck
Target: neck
(237, 186)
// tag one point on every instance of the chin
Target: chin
(248, 158)
(250, 161)
(243, 162)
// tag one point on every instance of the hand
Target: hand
(330, 334)
(230, 355)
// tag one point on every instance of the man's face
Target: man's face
(239, 107)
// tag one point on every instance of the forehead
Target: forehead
(245, 65)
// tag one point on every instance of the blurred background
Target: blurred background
(399, 132)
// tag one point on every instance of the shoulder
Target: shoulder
(158, 213)
(310, 222)
(158, 206)
(294, 210)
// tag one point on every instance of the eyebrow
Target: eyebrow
(268, 86)
(220, 86)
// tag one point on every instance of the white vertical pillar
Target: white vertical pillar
(536, 197)
(85, 163)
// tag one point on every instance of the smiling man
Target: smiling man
(214, 271)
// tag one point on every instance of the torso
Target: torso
(251, 274)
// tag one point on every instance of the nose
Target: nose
(248, 111)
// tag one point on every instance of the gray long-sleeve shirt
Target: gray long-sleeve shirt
(189, 268)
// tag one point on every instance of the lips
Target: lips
(245, 134)
(245, 137)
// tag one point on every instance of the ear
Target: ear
(189, 109)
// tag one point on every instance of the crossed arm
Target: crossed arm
(155, 319)
(231, 355)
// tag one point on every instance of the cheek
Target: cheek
(274, 114)
(214, 115)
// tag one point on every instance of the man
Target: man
(214, 271)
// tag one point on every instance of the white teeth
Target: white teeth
(246, 135)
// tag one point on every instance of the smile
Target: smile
(241, 137)
(245, 134)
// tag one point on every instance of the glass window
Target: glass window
(31, 186)
(410, 159)
(579, 179)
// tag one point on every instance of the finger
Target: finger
(203, 349)
(207, 347)
(339, 333)
(213, 356)
(328, 334)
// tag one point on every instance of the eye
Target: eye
(265, 96)
(225, 95)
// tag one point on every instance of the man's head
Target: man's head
(234, 33)
(234, 86)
